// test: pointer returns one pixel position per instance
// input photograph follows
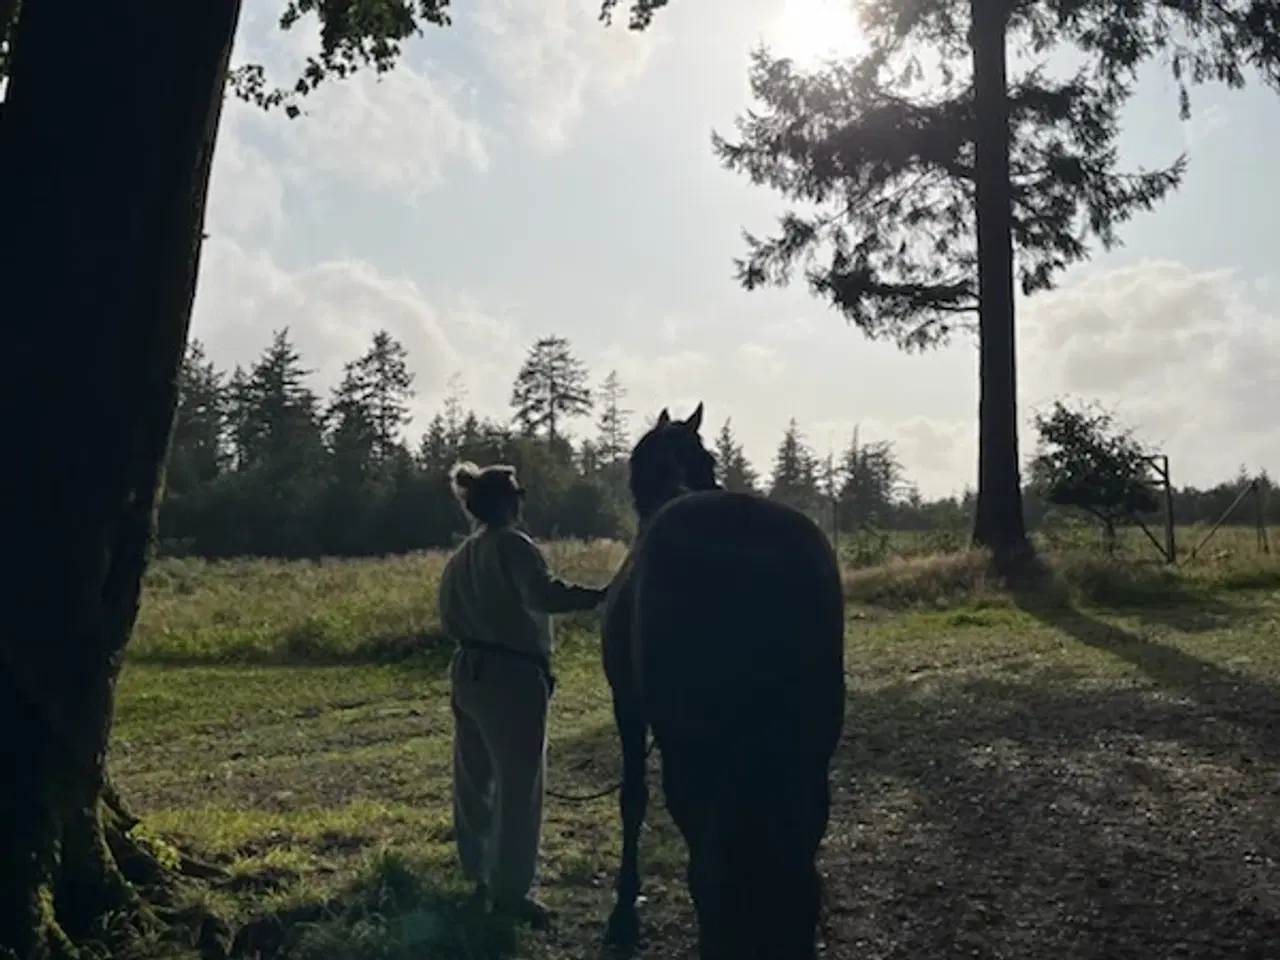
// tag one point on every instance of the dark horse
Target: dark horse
(724, 633)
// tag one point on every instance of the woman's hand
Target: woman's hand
(595, 597)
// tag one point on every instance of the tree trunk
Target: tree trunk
(105, 147)
(998, 519)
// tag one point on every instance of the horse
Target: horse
(723, 633)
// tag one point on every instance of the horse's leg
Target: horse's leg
(633, 799)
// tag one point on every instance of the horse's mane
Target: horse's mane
(648, 474)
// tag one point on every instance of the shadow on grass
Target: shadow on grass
(1054, 817)
(1054, 813)
(392, 913)
(1152, 593)
(1234, 697)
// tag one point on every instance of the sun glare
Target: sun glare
(812, 31)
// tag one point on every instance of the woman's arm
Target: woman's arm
(539, 589)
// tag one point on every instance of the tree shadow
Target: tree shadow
(1184, 610)
(1230, 696)
(1053, 814)
(1050, 818)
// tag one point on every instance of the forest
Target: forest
(263, 465)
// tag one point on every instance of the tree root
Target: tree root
(138, 862)
(111, 889)
(94, 898)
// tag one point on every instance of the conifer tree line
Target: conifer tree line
(262, 465)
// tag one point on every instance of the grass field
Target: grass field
(1088, 771)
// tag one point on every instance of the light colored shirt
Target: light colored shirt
(496, 588)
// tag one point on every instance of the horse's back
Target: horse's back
(738, 620)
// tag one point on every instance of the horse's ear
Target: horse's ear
(664, 417)
(694, 422)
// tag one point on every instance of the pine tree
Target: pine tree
(240, 430)
(794, 479)
(198, 450)
(435, 450)
(550, 388)
(870, 477)
(471, 432)
(588, 459)
(281, 460)
(454, 411)
(925, 189)
(733, 470)
(353, 434)
(612, 441)
(381, 385)
(277, 414)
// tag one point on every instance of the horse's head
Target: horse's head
(670, 460)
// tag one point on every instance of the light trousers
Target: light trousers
(499, 769)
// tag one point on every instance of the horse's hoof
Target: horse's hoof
(623, 930)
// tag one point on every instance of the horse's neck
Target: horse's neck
(646, 508)
(643, 518)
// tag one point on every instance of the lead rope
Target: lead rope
(599, 794)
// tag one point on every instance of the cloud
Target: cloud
(760, 363)
(410, 130)
(246, 194)
(551, 56)
(938, 455)
(332, 310)
(653, 380)
(794, 329)
(1186, 357)
(405, 130)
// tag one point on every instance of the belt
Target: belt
(540, 661)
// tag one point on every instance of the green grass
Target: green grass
(1082, 770)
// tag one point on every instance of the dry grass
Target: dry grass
(381, 610)
(1082, 770)
(329, 611)
(1076, 575)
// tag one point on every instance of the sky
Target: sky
(529, 171)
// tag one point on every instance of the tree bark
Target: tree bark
(106, 142)
(998, 519)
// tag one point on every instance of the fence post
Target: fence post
(1260, 516)
(1170, 542)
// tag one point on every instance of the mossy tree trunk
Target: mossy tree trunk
(106, 140)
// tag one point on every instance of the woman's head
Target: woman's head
(490, 495)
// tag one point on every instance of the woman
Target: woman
(496, 595)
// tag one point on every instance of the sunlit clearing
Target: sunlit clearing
(812, 31)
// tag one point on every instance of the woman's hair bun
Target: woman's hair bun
(462, 476)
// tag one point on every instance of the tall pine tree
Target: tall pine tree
(198, 450)
(612, 438)
(381, 384)
(733, 470)
(550, 388)
(870, 479)
(794, 480)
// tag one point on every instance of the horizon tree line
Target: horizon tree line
(261, 464)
